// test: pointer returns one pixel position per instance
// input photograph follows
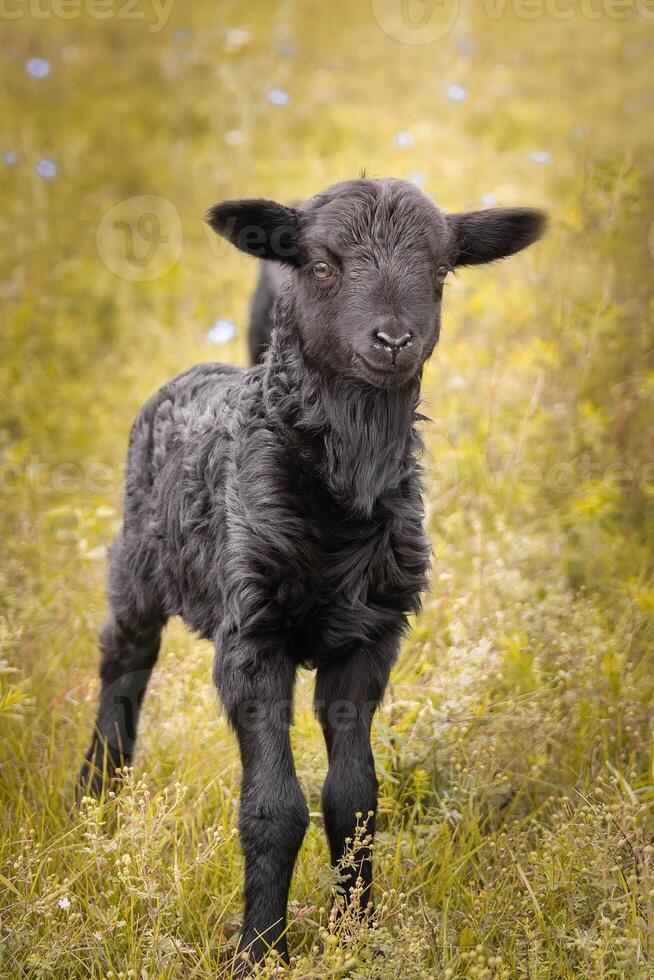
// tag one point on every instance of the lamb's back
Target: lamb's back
(179, 457)
(173, 418)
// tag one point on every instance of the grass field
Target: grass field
(515, 749)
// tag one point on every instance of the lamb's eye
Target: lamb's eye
(441, 274)
(322, 270)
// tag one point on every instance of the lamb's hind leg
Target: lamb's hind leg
(129, 644)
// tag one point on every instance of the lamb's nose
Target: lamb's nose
(393, 343)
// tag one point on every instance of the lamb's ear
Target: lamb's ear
(483, 236)
(261, 228)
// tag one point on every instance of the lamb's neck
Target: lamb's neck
(363, 439)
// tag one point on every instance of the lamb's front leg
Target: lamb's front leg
(257, 690)
(346, 697)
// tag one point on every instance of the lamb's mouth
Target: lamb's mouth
(389, 374)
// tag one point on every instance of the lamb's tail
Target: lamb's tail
(261, 325)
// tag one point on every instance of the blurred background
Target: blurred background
(515, 750)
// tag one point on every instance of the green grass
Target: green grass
(515, 748)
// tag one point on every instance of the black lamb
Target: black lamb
(278, 511)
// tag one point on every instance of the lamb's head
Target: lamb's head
(369, 262)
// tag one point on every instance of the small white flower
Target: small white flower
(38, 67)
(456, 93)
(64, 903)
(46, 169)
(222, 332)
(403, 140)
(236, 37)
(278, 97)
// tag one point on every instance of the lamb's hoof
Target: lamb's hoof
(245, 962)
(241, 966)
(96, 781)
(90, 782)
